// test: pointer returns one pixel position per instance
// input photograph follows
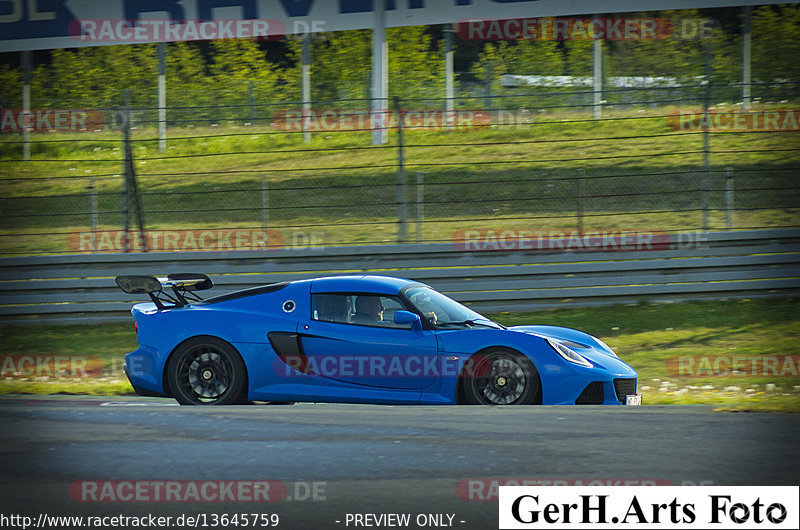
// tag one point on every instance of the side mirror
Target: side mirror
(404, 318)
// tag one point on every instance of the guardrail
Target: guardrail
(81, 288)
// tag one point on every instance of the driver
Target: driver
(369, 310)
(427, 309)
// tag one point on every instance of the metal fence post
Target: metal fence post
(729, 198)
(402, 220)
(449, 54)
(26, 104)
(251, 102)
(597, 78)
(92, 206)
(264, 202)
(420, 204)
(305, 85)
(126, 153)
(162, 97)
(746, 36)
(579, 195)
(706, 132)
(380, 77)
(489, 76)
(130, 191)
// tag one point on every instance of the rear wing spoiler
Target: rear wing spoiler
(183, 286)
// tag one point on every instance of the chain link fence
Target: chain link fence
(519, 157)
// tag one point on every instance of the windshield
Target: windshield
(440, 310)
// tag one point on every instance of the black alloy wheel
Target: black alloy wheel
(500, 377)
(207, 371)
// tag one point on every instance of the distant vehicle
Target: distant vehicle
(355, 339)
(561, 81)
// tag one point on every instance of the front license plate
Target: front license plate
(633, 399)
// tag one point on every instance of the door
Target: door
(352, 337)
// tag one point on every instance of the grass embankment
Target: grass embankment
(639, 173)
(651, 337)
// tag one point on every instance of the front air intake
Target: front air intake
(624, 387)
(592, 394)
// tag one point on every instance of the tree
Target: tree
(241, 74)
(538, 58)
(96, 77)
(187, 81)
(10, 87)
(416, 67)
(525, 57)
(341, 65)
(776, 42)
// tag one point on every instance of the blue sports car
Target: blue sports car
(356, 339)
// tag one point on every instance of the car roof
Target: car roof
(364, 283)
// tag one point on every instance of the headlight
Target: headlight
(605, 346)
(568, 354)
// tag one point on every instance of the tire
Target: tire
(500, 377)
(207, 371)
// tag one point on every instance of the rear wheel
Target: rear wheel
(500, 377)
(207, 371)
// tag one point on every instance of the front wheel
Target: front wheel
(207, 371)
(500, 377)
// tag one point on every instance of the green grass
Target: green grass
(107, 342)
(646, 336)
(638, 174)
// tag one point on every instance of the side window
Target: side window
(360, 309)
(330, 307)
(391, 305)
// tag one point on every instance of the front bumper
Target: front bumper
(612, 392)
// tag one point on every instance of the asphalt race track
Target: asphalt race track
(315, 463)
